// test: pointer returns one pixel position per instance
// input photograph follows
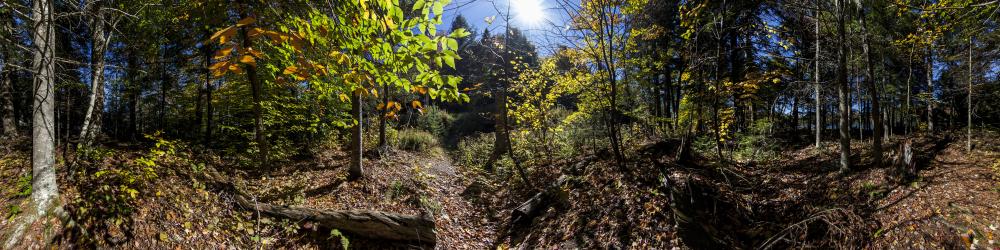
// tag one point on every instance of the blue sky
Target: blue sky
(476, 11)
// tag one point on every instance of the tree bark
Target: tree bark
(872, 93)
(907, 115)
(356, 171)
(968, 103)
(930, 89)
(45, 189)
(8, 120)
(256, 90)
(819, 124)
(843, 90)
(95, 103)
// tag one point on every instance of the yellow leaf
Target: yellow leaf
(222, 35)
(224, 52)
(218, 65)
(245, 22)
(235, 68)
(416, 104)
(290, 70)
(380, 106)
(344, 98)
(248, 60)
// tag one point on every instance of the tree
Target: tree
(95, 104)
(816, 76)
(7, 116)
(344, 53)
(872, 90)
(843, 89)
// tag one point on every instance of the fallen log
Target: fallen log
(365, 223)
(538, 203)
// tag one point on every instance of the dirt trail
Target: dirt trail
(461, 224)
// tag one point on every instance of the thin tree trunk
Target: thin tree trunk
(968, 103)
(843, 90)
(255, 91)
(795, 113)
(356, 171)
(95, 104)
(819, 124)
(930, 89)
(873, 94)
(907, 115)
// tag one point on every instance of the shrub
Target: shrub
(435, 121)
(473, 151)
(416, 140)
(757, 144)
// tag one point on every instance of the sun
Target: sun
(528, 12)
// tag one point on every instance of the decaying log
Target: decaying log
(365, 223)
(538, 203)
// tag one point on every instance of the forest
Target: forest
(500, 124)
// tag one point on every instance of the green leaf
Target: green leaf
(452, 43)
(450, 61)
(439, 8)
(418, 5)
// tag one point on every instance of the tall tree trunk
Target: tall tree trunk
(876, 115)
(968, 103)
(255, 91)
(356, 170)
(843, 90)
(45, 190)
(930, 88)
(7, 116)
(907, 115)
(44, 187)
(95, 103)
(819, 115)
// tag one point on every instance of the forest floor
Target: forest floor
(400, 182)
(797, 200)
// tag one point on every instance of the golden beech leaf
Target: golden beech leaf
(359, 91)
(300, 76)
(248, 60)
(222, 53)
(235, 68)
(290, 70)
(219, 72)
(245, 21)
(255, 53)
(218, 65)
(380, 106)
(416, 104)
(374, 92)
(222, 35)
(255, 32)
(344, 98)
